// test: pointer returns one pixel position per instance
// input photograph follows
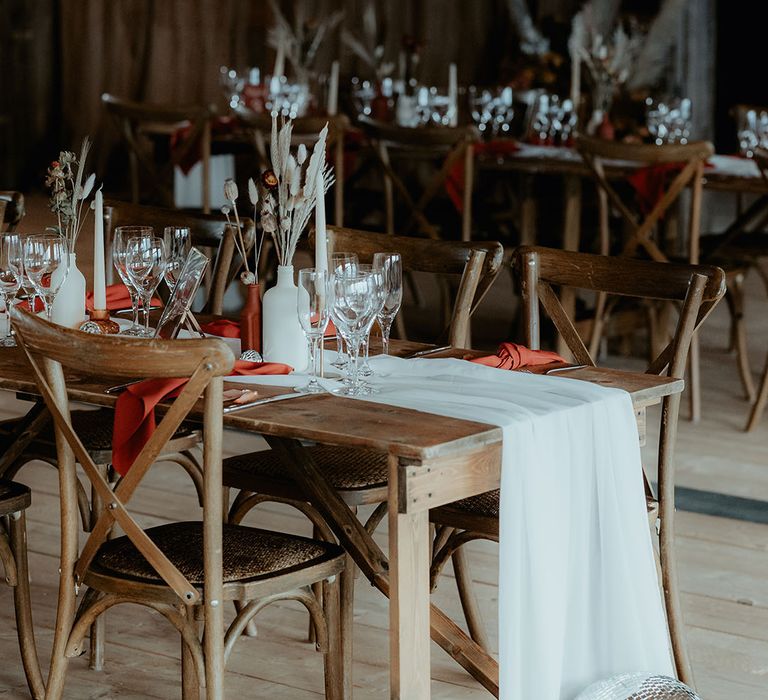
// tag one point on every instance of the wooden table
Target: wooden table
(433, 460)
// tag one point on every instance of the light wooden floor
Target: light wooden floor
(724, 573)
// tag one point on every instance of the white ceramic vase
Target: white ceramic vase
(283, 339)
(69, 304)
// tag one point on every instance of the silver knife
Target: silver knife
(269, 399)
(430, 351)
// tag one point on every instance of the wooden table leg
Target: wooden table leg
(409, 645)
(571, 236)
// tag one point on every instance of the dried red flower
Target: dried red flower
(269, 179)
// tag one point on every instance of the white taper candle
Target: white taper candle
(99, 269)
(321, 245)
(333, 89)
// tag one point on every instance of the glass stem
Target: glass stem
(146, 301)
(353, 347)
(314, 346)
(385, 324)
(8, 303)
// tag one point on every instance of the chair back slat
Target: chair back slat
(207, 231)
(11, 210)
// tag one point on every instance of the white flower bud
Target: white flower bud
(230, 190)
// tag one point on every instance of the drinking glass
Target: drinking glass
(314, 301)
(145, 263)
(11, 273)
(178, 243)
(390, 265)
(353, 309)
(377, 301)
(119, 245)
(342, 262)
(44, 255)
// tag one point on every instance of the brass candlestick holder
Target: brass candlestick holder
(100, 323)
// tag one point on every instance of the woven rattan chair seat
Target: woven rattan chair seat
(345, 468)
(249, 554)
(13, 497)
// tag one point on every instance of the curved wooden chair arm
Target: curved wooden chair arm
(421, 137)
(644, 153)
(147, 112)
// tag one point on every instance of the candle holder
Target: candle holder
(100, 323)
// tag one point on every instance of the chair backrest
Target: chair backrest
(11, 210)
(477, 265)
(677, 166)
(52, 351)
(452, 147)
(136, 120)
(698, 287)
(208, 232)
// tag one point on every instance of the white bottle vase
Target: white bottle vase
(283, 339)
(69, 304)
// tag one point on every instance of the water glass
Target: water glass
(314, 300)
(390, 266)
(378, 301)
(145, 263)
(342, 262)
(43, 257)
(119, 248)
(11, 273)
(178, 243)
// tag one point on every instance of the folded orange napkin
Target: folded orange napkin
(135, 410)
(225, 328)
(118, 297)
(514, 356)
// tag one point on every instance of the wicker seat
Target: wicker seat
(14, 500)
(359, 475)
(249, 554)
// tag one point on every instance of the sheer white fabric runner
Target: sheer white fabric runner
(578, 594)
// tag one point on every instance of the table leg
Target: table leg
(409, 645)
(571, 236)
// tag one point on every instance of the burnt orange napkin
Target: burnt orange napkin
(514, 356)
(135, 410)
(118, 297)
(225, 328)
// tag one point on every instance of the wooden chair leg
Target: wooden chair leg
(347, 594)
(190, 683)
(756, 413)
(17, 531)
(467, 597)
(317, 591)
(694, 376)
(336, 666)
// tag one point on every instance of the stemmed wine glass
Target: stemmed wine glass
(145, 263)
(342, 262)
(390, 265)
(119, 249)
(314, 301)
(43, 256)
(178, 243)
(377, 301)
(354, 308)
(11, 272)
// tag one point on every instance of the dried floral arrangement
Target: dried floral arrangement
(289, 190)
(69, 190)
(247, 276)
(609, 61)
(369, 45)
(301, 41)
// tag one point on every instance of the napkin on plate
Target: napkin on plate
(135, 410)
(514, 356)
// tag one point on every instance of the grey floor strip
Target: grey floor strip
(722, 505)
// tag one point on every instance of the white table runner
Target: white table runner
(578, 593)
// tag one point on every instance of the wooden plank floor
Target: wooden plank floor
(724, 570)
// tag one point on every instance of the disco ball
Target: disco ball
(638, 686)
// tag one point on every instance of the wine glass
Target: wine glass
(145, 263)
(44, 257)
(377, 301)
(119, 244)
(178, 243)
(314, 300)
(11, 272)
(353, 309)
(390, 265)
(341, 262)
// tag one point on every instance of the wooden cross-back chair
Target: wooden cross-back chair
(209, 232)
(137, 121)
(678, 166)
(476, 264)
(451, 146)
(14, 501)
(11, 210)
(177, 567)
(358, 475)
(698, 288)
(305, 130)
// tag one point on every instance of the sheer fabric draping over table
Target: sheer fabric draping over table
(578, 594)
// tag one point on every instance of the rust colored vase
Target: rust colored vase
(250, 320)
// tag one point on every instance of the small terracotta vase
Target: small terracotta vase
(250, 320)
